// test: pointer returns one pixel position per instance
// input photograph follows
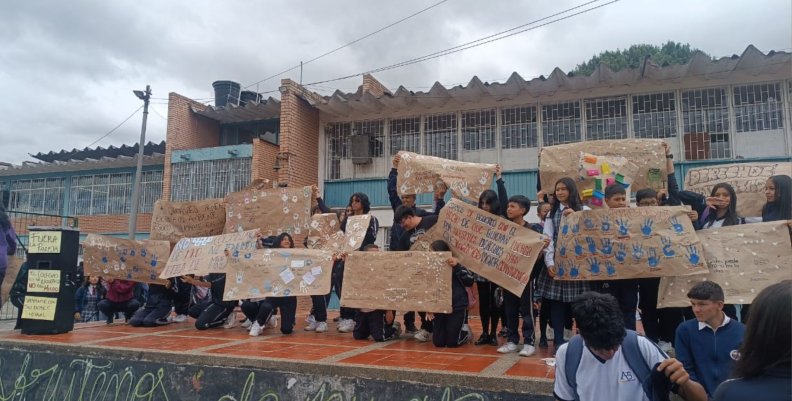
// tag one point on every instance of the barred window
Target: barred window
(41, 195)
(440, 132)
(405, 134)
(606, 118)
(478, 129)
(560, 123)
(150, 190)
(375, 131)
(758, 107)
(705, 116)
(209, 179)
(337, 135)
(101, 194)
(519, 127)
(654, 115)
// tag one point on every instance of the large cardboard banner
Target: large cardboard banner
(406, 281)
(273, 211)
(610, 244)
(112, 257)
(172, 221)
(325, 232)
(488, 245)
(204, 255)
(639, 163)
(278, 273)
(419, 174)
(748, 180)
(742, 259)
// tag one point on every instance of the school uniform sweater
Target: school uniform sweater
(708, 355)
(120, 291)
(462, 278)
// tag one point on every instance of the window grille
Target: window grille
(560, 123)
(375, 130)
(41, 195)
(101, 194)
(478, 129)
(151, 190)
(440, 132)
(654, 115)
(405, 134)
(606, 118)
(519, 127)
(758, 107)
(705, 116)
(209, 179)
(337, 135)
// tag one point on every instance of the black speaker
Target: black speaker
(52, 268)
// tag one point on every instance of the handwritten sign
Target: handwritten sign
(627, 243)
(204, 255)
(113, 257)
(419, 174)
(278, 273)
(748, 180)
(419, 281)
(325, 234)
(39, 308)
(488, 245)
(273, 211)
(743, 259)
(172, 221)
(44, 281)
(44, 242)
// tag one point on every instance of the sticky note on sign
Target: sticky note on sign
(598, 184)
(590, 159)
(606, 168)
(620, 178)
(587, 193)
(593, 173)
(599, 195)
(610, 181)
(596, 201)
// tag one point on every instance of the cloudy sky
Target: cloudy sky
(67, 69)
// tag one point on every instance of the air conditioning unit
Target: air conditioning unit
(361, 153)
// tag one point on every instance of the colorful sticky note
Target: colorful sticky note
(606, 168)
(596, 201)
(599, 195)
(587, 193)
(620, 178)
(591, 159)
(598, 184)
(593, 173)
(625, 185)
(610, 181)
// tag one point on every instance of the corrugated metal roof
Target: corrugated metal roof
(156, 159)
(99, 152)
(265, 110)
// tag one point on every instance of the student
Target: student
(215, 313)
(778, 190)
(375, 323)
(8, 242)
(287, 305)
(560, 294)
(317, 318)
(87, 299)
(607, 362)
(708, 345)
(448, 330)
(763, 369)
(543, 308)
(158, 306)
(120, 297)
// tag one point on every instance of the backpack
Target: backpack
(630, 350)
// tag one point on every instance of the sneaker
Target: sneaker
(272, 322)
(483, 339)
(162, 322)
(180, 318)
(312, 326)
(255, 330)
(230, 321)
(310, 319)
(528, 350)
(509, 347)
(346, 325)
(665, 346)
(466, 327)
(423, 336)
(246, 324)
(398, 332)
(466, 337)
(321, 327)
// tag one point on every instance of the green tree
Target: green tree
(633, 57)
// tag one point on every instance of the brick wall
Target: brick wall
(186, 131)
(264, 154)
(371, 85)
(116, 223)
(299, 136)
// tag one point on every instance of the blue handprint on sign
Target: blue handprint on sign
(575, 228)
(565, 229)
(610, 268)
(143, 252)
(676, 226)
(562, 250)
(574, 271)
(607, 248)
(594, 266)
(588, 223)
(592, 246)
(621, 252)
(646, 228)
(132, 252)
(578, 248)
(668, 251)
(638, 252)
(104, 259)
(693, 256)
(624, 226)
(653, 259)
(605, 224)
(560, 271)
(154, 261)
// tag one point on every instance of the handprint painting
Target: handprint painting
(626, 243)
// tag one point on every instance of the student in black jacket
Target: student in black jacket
(217, 312)
(158, 306)
(266, 307)
(448, 326)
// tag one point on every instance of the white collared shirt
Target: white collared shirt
(703, 325)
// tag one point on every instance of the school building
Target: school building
(710, 111)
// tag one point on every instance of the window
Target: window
(705, 116)
(519, 127)
(561, 123)
(654, 115)
(41, 195)
(151, 190)
(405, 134)
(337, 135)
(478, 129)
(101, 194)
(606, 119)
(209, 179)
(440, 132)
(758, 107)
(374, 130)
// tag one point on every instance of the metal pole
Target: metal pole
(139, 171)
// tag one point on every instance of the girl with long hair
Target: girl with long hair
(266, 308)
(778, 190)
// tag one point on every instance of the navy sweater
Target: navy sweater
(707, 355)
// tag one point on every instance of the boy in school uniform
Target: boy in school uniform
(375, 323)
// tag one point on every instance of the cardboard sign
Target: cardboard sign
(273, 211)
(417, 281)
(419, 174)
(12, 271)
(125, 259)
(44, 242)
(611, 244)
(278, 273)
(748, 180)
(204, 255)
(640, 162)
(44, 281)
(743, 259)
(325, 233)
(172, 221)
(39, 308)
(488, 245)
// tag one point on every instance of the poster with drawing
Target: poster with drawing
(172, 221)
(278, 273)
(112, 257)
(488, 245)
(204, 255)
(419, 173)
(415, 281)
(325, 232)
(271, 210)
(610, 244)
(743, 259)
(748, 180)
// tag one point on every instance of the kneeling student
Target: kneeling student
(448, 326)
(377, 324)
(158, 306)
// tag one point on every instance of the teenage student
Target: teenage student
(287, 305)
(159, 302)
(215, 312)
(375, 323)
(120, 297)
(778, 190)
(87, 298)
(447, 327)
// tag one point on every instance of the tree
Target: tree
(633, 57)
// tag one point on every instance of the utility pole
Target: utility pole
(144, 96)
